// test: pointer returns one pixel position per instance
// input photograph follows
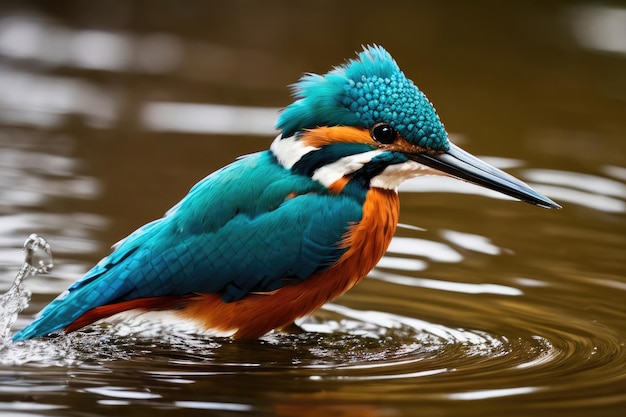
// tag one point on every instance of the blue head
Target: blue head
(365, 91)
(365, 124)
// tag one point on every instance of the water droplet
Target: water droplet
(38, 255)
(37, 260)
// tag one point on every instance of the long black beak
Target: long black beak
(465, 166)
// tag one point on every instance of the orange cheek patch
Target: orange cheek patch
(322, 136)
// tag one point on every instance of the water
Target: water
(482, 305)
(37, 260)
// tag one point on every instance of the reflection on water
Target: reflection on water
(108, 114)
(481, 288)
(45, 101)
(601, 28)
(209, 118)
(31, 178)
(38, 172)
(588, 190)
(471, 242)
(29, 37)
(344, 346)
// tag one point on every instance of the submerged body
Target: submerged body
(275, 235)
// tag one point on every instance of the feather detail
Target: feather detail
(146, 304)
(254, 315)
(338, 186)
(361, 93)
(321, 136)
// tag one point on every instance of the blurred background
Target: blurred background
(111, 110)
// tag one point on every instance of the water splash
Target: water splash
(37, 260)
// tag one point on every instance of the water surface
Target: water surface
(110, 112)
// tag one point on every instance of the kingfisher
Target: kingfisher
(273, 236)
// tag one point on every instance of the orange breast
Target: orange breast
(257, 314)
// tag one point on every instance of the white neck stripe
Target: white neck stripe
(289, 150)
(332, 172)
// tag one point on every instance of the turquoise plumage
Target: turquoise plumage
(274, 235)
(362, 92)
(216, 243)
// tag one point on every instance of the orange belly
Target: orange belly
(257, 314)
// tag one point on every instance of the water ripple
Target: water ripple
(516, 353)
(584, 189)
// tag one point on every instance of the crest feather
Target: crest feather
(360, 93)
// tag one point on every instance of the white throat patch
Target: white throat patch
(394, 175)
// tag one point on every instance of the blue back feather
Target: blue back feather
(215, 241)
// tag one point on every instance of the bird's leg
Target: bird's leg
(292, 328)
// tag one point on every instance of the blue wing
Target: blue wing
(244, 228)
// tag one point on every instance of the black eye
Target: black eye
(383, 133)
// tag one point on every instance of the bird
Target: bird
(273, 236)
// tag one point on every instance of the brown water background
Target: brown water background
(111, 110)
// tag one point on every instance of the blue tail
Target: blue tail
(104, 283)
(58, 314)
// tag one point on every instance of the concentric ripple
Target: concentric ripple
(346, 349)
(342, 341)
